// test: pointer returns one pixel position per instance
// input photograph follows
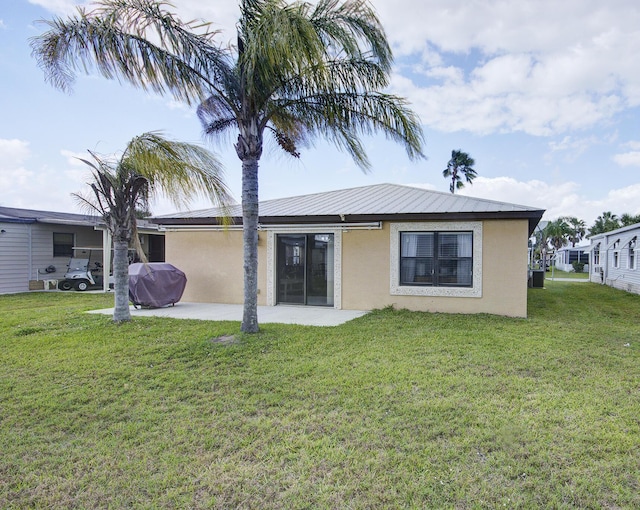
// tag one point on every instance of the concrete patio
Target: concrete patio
(302, 315)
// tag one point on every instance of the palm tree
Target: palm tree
(629, 219)
(556, 233)
(606, 222)
(577, 229)
(298, 71)
(554, 236)
(122, 187)
(458, 166)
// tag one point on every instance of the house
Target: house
(613, 258)
(36, 246)
(364, 248)
(565, 257)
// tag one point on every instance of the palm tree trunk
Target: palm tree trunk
(121, 311)
(250, 244)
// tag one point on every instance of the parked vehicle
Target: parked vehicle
(84, 271)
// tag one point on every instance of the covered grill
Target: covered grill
(155, 284)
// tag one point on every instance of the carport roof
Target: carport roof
(368, 203)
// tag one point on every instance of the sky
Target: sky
(543, 94)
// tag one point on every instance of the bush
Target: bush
(578, 266)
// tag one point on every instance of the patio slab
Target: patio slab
(301, 315)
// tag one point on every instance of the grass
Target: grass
(393, 410)
(566, 274)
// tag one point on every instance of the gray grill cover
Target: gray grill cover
(155, 284)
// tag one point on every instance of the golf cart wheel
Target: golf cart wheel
(82, 285)
(65, 285)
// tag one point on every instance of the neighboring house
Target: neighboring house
(565, 257)
(36, 246)
(614, 258)
(364, 248)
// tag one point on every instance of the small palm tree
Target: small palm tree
(606, 222)
(122, 187)
(299, 71)
(629, 219)
(460, 165)
(576, 229)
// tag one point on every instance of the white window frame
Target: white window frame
(636, 251)
(615, 260)
(395, 289)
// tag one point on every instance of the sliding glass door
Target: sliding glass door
(305, 269)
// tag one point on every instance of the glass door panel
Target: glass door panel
(291, 269)
(305, 269)
(320, 269)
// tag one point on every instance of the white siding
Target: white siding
(14, 257)
(623, 276)
(27, 249)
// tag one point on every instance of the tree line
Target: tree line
(571, 230)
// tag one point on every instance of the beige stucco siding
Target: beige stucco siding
(366, 273)
(212, 261)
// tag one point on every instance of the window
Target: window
(596, 257)
(436, 258)
(632, 253)
(616, 255)
(63, 244)
(440, 259)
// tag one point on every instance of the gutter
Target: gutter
(307, 227)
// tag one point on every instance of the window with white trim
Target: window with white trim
(436, 259)
(633, 261)
(439, 259)
(615, 261)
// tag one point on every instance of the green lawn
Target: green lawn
(393, 410)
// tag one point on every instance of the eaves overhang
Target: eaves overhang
(533, 216)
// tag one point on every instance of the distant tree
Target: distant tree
(557, 233)
(606, 222)
(122, 187)
(577, 229)
(460, 165)
(629, 219)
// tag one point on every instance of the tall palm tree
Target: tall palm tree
(122, 187)
(298, 71)
(460, 165)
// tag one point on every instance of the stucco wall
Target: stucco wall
(212, 262)
(366, 267)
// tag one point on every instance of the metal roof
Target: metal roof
(379, 199)
(14, 215)
(376, 202)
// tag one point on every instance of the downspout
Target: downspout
(30, 237)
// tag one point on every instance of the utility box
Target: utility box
(536, 278)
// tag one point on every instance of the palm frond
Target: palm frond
(115, 39)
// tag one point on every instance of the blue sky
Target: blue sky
(544, 95)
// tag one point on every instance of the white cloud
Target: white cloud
(560, 199)
(2, 24)
(13, 175)
(537, 66)
(61, 7)
(628, 158)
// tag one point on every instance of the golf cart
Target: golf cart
(83, 272)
